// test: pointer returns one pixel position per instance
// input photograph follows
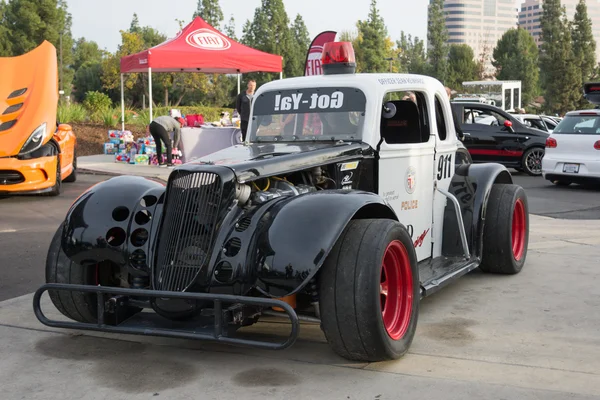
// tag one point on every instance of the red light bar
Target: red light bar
(588, 113)
(338, 58)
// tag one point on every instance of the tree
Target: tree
(29, 22)
(296, 59)
(5, 46)
(371, 49)
(516, 57)
(561, 79)
(461, 65)
(412, 55)
(584, 47)
(269, 31)
(88, 78)
(437, 38)
(135, 24)
(84, 52)
(230, 29)
(210, 11)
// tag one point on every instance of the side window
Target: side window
(440, 120)
(404, 118)
(482, 116)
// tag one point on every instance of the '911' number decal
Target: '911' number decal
(444, 167)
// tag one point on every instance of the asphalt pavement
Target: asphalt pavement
(27, 224)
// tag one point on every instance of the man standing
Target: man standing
(242, 106)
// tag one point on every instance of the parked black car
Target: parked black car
(493, 135)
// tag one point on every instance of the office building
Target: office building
(531, 11)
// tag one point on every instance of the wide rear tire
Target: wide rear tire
(506, 230)
(369, 291)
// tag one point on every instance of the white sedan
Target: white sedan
(573, 149)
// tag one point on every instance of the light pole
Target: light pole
(391, 60)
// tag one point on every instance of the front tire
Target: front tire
(506, 230)
(73, 176)
(57, 188)
(369, 291)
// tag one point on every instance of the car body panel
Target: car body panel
(22, 112)
(496, 143)
(573, 157)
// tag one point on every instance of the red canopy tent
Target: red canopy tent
(199, 48)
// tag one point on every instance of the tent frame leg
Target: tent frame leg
(239, 82)
(122, 104)
(150, 101)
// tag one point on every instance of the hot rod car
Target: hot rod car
(346, 206)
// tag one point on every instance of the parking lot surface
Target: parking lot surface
(528, 336)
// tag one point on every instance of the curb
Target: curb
(87, 171)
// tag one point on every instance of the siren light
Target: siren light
(338, 58)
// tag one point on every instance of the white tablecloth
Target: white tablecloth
(199, 142)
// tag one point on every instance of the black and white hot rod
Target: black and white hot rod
(351, 200)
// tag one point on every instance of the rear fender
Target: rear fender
(285, 242)
(471, 185)
(114, 220)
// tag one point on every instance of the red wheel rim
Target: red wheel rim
(518, 230)
(396, 290)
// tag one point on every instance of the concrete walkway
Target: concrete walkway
(529, 336)
(106, 165)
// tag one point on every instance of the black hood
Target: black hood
(256, 160)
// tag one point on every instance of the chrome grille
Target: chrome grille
(188, 229)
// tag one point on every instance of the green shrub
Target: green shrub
(110, 117)
(97, 101)
(71, 113)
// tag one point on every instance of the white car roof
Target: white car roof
(375, 86)
(591, 111)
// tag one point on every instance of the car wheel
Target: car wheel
(369, 291)
(532, 161)
(506, 230)
(57, 188)
(73, 177)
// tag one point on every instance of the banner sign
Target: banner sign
(313, 58)
(310, 100)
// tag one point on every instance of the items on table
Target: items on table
(141, 152)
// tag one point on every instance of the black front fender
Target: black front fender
(298, 234)
(112, 221)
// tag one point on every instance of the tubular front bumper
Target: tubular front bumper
(38, 175)
(145, 323)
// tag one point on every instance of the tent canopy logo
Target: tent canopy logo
(208, 40)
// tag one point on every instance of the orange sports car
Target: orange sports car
(36, 152)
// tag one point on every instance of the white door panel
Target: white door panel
(405, 182)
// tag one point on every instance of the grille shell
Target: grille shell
(194, 205)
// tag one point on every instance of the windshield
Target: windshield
(579, 125)
(308, 114)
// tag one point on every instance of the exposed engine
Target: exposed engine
(263, 190)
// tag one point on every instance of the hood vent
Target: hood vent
(13, 108)
(7, 125)
(17, 93)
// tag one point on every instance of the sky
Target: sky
(101, 20)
